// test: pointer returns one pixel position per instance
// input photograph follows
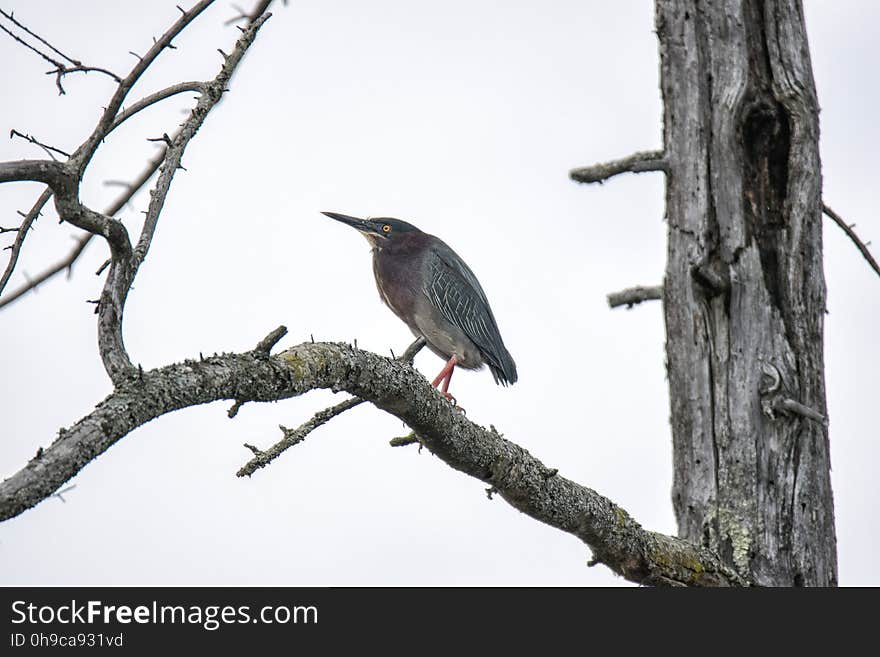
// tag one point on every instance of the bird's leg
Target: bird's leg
(445, 377)
(448, 381)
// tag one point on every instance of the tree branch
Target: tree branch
(152, 99)
(49, 172)
(33, 140)
(633, 295)
(84, 153)
(848, 229)
(23, 230)
(67, 263)
(213, 92)
(61, 69)
(616, 539)
(24, 28)
(635, 163)
(295, 436)
(792, 406)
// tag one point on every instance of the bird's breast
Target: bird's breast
(396, 279)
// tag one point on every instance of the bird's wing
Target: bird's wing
(454, 290)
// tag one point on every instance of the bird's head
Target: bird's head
(379, 231)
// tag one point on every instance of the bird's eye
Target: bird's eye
(386, 228)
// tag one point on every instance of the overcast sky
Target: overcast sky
(463, 118)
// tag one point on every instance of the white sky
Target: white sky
(463, 118)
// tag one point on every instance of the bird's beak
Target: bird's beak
(365, 227)
(374, 236)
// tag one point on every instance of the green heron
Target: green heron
(436, 294)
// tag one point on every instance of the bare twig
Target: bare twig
(46, 147)
(295, 436)
(152, 99)
(21, 41)
(29, 219)
(633, 295)
(635, 163)
(61, 69)
(848, 229)
(24, 28)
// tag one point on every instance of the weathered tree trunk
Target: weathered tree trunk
(744, 293)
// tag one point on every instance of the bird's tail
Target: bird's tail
(504, 370)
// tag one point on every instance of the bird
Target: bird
(428, 286)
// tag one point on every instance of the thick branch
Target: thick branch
(635, 163)
(49, 172)
(633, 295)
(848, 229)
(615, 538)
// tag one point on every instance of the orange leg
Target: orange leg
(445, 377)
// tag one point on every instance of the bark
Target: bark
(744, 291)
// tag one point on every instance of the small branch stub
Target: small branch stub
(635, 295)
(635, 163)
(265, 345)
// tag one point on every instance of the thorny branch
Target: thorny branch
(152, 99)
(23, 230)
(295, 436)
(61, 69)
(33, 140)
(848, 229)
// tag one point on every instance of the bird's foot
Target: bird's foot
(453, 401)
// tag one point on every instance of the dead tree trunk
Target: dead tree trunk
(744, 293)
